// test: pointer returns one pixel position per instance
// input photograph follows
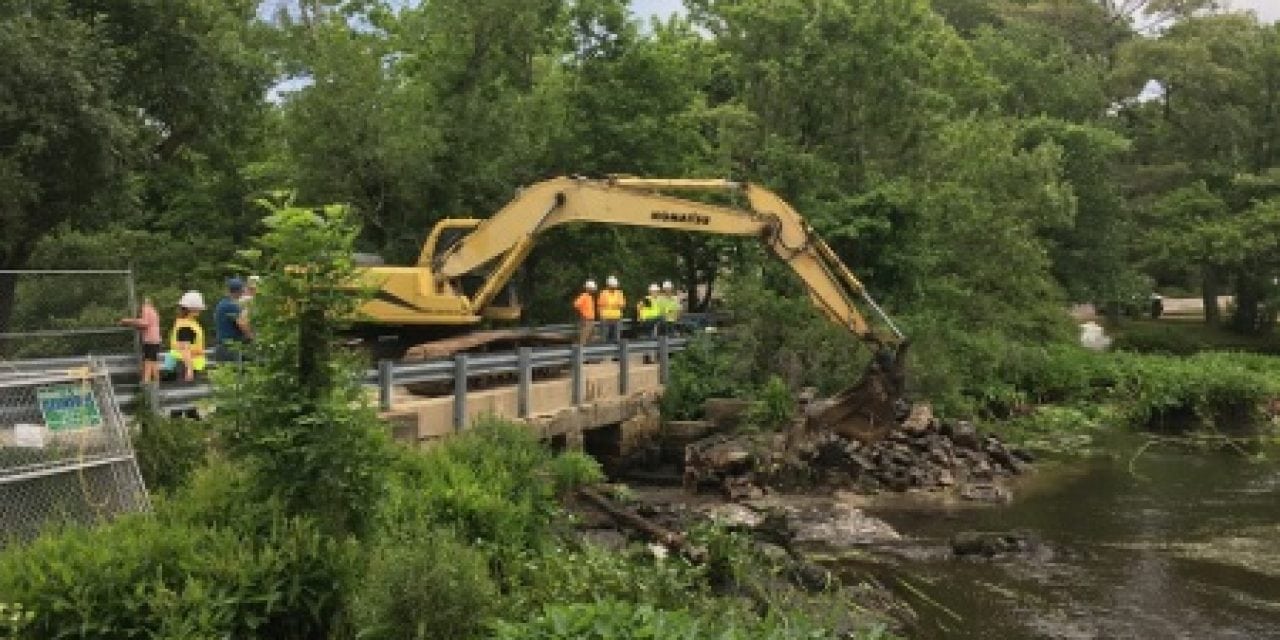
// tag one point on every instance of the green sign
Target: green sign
(67, 407)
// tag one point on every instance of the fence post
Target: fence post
(624, 367)
(133, 311)
(386, 379)
(575, 378)
(664, 359)
(524, 360)
(459, 392)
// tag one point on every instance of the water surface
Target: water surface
(1187, 548)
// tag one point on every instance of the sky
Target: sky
(1268, 10)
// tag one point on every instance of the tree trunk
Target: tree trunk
(1210, 288)
(1248, 312)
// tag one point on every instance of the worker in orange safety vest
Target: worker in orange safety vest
(610, 304)
(585, 305)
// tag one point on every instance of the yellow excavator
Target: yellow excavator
(439, 296)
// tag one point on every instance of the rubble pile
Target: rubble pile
(923, 454)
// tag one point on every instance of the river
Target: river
(1187, 548)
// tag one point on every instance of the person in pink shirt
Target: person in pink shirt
(148, 324)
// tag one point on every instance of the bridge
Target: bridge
(562, 391)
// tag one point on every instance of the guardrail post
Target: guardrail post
(459, 392)
(524, 360)
(575, 378)
(624, 367)
(386, 379)
(152, 392)
(664, 359)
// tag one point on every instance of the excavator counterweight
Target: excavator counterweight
(456, 284)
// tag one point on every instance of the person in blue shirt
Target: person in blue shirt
(231, 325)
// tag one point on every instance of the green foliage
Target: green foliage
(1052, 428)
(169, 450)
(295, 412)
(142, 577)
(495, 486)
(220, 495)
(1209, 390)
(617, 620)
(594, 573)
(429, 587)
(701, 371)
(773, 408)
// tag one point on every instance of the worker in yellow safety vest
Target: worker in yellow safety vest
(610, 304)
(670, 309)
(648, 313)
(186, 339)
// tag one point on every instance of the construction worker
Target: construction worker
(648, 313)
(610, 304)
(186, 340)
(585, 305)
(148, 325)
(230, 325)
(670, 308)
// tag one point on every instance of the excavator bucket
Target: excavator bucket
(868, 410)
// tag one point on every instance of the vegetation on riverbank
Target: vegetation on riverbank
(1051, 394)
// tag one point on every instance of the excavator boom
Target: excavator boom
(431, 293)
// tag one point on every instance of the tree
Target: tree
(64, 140)
(296, 412)
(1213, 124)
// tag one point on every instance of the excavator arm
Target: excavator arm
(505, 239)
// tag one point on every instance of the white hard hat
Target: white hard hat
(666, 284)
(653, 288)
(193, 300)
(591, 284)
(611, 281)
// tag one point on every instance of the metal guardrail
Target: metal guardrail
(458, 370)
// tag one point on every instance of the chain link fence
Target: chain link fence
(50, 314)
(65, 454)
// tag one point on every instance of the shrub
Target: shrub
(773, 407)
(220, 495)
(141, 578)
(295, 412)
(593, 573)
(617, 620)
(169, 449)
(701, 371)
(424, 588)
(495, 485)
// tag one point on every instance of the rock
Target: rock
(1022, 454)
(741, 488)
(734, 515)
(725, 413)
(946, 478)
(610, 539)
(775, 554)
(985, 492)
(919, 420)
(687, 431)
(990, 545)
(965, 435)
(842, 526)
